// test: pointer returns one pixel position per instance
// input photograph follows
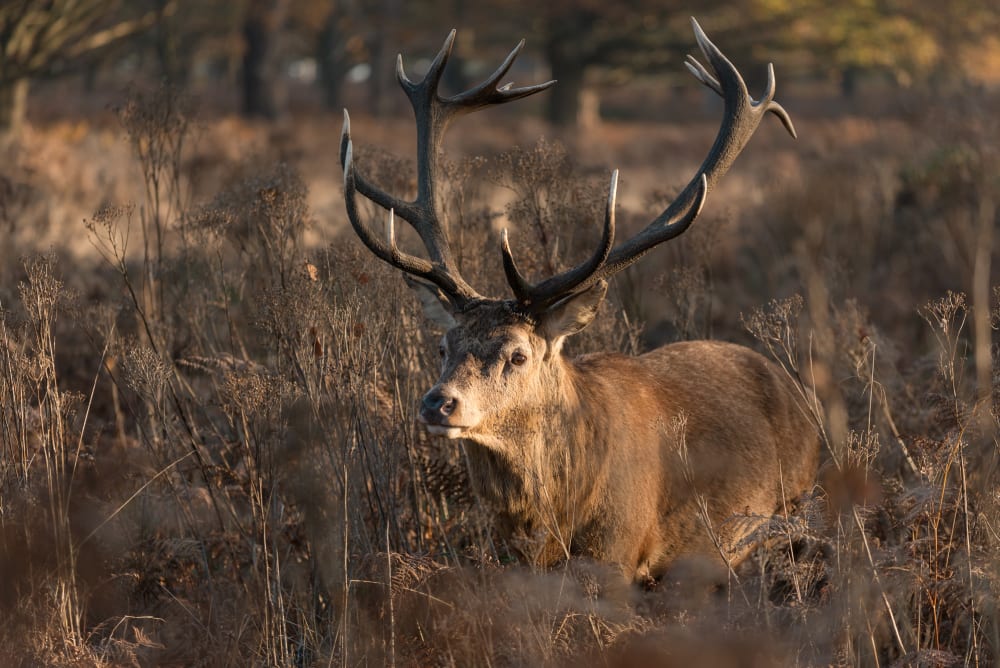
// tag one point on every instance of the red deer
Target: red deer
(629, 460)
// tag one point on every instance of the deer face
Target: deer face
(499, 366)
(488, 358)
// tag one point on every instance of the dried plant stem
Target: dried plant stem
(973, 617)
(878, 581)
(982, 329)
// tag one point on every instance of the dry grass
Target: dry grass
(208, 452)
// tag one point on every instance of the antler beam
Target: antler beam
(741, 117)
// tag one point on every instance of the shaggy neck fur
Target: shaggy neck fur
(534, 470)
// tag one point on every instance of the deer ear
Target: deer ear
(570, 315)
(436, 305)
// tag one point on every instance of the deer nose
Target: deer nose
(437, 404)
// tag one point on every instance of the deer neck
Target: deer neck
(535, 463)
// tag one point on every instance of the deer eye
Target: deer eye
(441, 350)
(518, 358)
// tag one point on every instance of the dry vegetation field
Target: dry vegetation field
(208, 445)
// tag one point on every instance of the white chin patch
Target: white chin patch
(447, 432)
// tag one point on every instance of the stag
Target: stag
(630, 460)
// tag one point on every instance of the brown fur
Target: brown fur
(584, 456)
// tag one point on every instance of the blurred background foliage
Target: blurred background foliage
(272, 54)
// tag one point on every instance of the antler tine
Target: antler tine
(517, 282)
(577, 279)
(432, 79)
(363, 185)
(489, 92)
(773, 106)
(451, 284)
(390, 234)
(741, 117)
(490, 84)
(706, 77)
(702, 75)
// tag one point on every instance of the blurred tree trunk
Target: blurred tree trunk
(564, 98)
(13, 105)
(849, 79)
(382, 46)
(260, 69)
(173, 67)
(568, 58)
(332, 60)
(569, 48)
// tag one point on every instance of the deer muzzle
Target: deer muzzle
(442, 411)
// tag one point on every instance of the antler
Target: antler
(433, 113)
(741, 116)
